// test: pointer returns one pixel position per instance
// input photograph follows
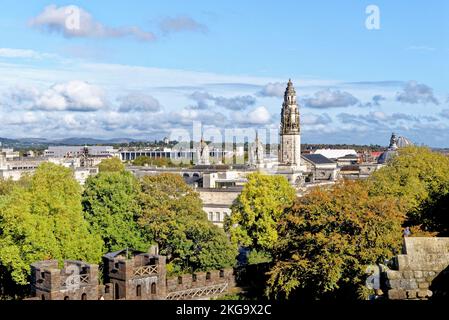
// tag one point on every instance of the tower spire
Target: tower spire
(290, 147)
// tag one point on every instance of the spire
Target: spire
(290, 91)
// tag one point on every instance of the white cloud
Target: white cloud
(232, 103)
(64, 20)
(68, 96)
(257, 116)
(180, 24)
(415, 92)
(138, 102)
(331, 99)
(315, 119)
(23, 53)
(276, 89)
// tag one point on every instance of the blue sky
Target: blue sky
(143, 68)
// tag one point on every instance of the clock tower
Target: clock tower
(290, 133)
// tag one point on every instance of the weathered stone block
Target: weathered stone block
(423, 285)
(396, 294)
(411, 294)
(407, 274)
(408, 284)
(423, 294)
(394, 274)
(418, 274)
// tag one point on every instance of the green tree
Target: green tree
(257, 210)
(328, 238)
(159, 162)
(416, 176)
(111, 165)
(43, 220)
(111, 207)
(172, 214)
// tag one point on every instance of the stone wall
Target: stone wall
(128, 275)
(200, 280)
(76, 281)
(417, 271)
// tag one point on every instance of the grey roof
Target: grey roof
(317, 159)
(349, 156)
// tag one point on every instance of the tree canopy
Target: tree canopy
(111, 165)
(257, 210)
(172, 213)
(41, 220)
(417, 177)
(111, 207)
(327, 239)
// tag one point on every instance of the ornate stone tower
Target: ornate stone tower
(290, 134)
(256, 152)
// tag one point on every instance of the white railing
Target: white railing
(195, 293)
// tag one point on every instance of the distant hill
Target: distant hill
(90, 141)
(37, 143)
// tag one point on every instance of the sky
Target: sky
(144, 69)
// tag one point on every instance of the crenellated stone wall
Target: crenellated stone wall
(128, 275)
(416, 272)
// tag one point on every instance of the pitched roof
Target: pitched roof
(317, 159)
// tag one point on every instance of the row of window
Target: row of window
(216, 216)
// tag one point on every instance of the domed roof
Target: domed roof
(403, 142)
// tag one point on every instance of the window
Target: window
(43, 297)
(116, 265)
(43, 275)
(211, 216)
(179, 280)
(139, 291)
(84, 296)
(217, 216)
(208, 276)
(153, 288)
(193, 277)
(66, 298)
(221, 273)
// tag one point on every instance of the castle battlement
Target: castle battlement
(127, 275)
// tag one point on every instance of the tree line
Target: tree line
(316, 246)
(48, 215)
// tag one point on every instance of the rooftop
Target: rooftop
(317, 159)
